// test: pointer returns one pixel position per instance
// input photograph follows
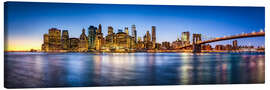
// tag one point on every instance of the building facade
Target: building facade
(65, 40)
(153, 37)
(52, 41)
(185, 37)
(91, 37)
(121, 41)
(99, 40)
(83, 45)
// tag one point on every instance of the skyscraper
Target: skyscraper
(99, 40)
(109, 39)
(45, 45)
(134, 32)
(65, 40)
(99, 29)
(147, 41)
(148, 36)
(91, 37)
(54, 39)
(154, 36)
(185, 37)
(133, 37)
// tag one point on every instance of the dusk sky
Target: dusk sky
(25, 23)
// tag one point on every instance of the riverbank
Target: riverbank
(148, 51)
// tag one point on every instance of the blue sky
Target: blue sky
(27, 22)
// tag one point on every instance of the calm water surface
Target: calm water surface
(23, 69)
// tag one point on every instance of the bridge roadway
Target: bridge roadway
(254, 34)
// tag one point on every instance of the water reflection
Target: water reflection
(110, 69)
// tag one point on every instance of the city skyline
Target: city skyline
(27, 24)
(92, 39)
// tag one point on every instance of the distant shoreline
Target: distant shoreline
(151, 51)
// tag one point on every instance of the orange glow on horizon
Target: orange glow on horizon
(22, 45)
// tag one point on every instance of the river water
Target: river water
(28, 70)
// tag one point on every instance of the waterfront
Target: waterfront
(28, 69)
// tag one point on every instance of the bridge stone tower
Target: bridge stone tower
(196, 38)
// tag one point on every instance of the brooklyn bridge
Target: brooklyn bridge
(197, 40)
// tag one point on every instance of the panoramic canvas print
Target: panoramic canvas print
(87, 45)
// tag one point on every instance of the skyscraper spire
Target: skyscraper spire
(126, 30)
(99, 28)
(83, 30)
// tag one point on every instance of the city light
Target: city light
(92, 40)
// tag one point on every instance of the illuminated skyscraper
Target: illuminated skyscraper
(91, 37)
(154, 36)
(65, 40)
(45, 45)
(185, 37)
(134, 32)
(119, 42)
(110, 38)
(99, 40)
(54, 39)
(147, 41)
(133, 37)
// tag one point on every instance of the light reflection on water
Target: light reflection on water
(121, 69)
